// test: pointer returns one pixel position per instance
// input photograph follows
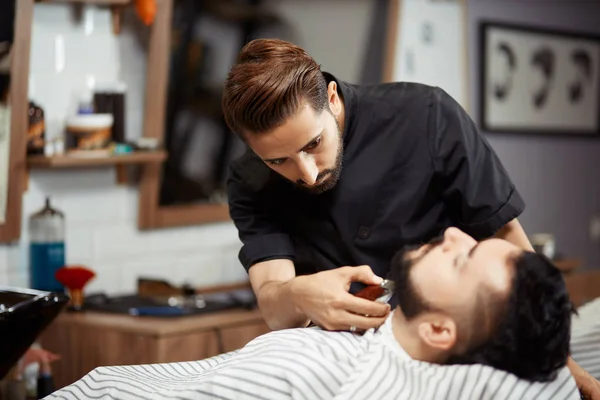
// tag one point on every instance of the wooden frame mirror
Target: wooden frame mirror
(152, 214)
(185, 82)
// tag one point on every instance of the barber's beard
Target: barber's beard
(333, 174)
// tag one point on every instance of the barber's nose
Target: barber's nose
(308, 171)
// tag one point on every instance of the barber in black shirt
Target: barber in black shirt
(338, 177)
(344, 175)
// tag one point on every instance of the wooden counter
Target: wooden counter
(91, 339)
(583, 286)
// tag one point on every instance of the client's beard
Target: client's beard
(410, 301)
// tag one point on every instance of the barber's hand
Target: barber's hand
(324, 298)
(588, 386)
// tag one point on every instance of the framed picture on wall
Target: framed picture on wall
(539, 81)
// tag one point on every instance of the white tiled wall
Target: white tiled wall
(101, 216)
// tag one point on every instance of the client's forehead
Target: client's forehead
(493, 263)
(452, 277)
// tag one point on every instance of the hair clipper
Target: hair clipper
(381, 293)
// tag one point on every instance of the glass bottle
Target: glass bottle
(46, 247)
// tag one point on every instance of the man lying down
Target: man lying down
(475, 321)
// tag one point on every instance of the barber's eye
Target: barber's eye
(314, 144)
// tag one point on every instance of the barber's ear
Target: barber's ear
(334, 99)
(439, 333)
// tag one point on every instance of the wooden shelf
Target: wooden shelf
(98, 2)
(140, 157)
(568, 265)
(115, 5)
(238, 12)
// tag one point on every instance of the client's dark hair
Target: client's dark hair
(532, 337)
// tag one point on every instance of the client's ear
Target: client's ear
(438, 331)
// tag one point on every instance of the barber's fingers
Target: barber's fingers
(347, 321)
(361, 273)
(359, 322)
(361, 306)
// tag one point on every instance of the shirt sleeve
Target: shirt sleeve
(262, 238)
(474, 184)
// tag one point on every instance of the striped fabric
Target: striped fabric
(585, 338)
(313, 364)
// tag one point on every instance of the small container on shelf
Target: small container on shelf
(89, 134)
(36, 132)
(544, 243)
(110, 99)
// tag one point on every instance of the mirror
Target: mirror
(206, 38)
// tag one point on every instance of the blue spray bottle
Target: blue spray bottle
(46, 247)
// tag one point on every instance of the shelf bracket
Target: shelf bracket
(117, 18)
(122, 175)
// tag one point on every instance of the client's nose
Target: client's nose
(454, 236)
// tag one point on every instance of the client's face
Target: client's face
(448, 281)
(448, 273)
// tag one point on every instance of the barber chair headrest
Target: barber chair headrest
(24, 314)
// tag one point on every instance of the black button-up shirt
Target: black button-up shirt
(414, 164)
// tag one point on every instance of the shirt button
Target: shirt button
(364, 232)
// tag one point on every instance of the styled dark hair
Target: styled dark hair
(533, 334)
(268, 84)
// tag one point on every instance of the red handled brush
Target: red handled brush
(74, 278)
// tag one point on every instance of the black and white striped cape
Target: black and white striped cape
(585, 338)
(315, 364)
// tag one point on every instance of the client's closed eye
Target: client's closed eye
(460, 260)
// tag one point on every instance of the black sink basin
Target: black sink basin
(24, 313)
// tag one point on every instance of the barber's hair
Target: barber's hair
(533, 332)
(270, 81)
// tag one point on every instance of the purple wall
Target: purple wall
(558, 177)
